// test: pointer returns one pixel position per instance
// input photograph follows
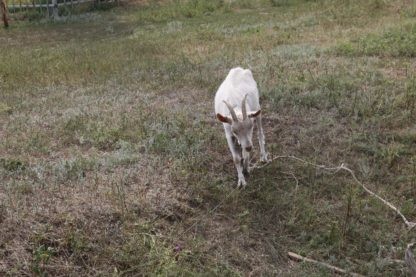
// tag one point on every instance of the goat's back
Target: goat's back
(236, 85)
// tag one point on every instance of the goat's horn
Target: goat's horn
(233, 115)
(243, 107)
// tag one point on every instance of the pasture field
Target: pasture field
(112, 162)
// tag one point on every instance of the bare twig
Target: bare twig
(408, 223)
(294, 178)
(298, 257)
(393, 261)
(336, 169)
(409, 257)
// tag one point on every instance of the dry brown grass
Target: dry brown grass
(111, 161)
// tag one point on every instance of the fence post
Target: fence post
(55, 14)
(3, 8)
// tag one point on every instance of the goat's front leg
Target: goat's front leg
(262, 141)
(236, 153)
(245, 162)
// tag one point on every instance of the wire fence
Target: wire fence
(54, 8)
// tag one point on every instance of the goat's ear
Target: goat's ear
(224, 119)
(254, 114)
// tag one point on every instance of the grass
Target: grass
(397, 42)
(112, 163)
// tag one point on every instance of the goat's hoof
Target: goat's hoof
(241, 184)
(264, 158)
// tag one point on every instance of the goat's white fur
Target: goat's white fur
(238, 84)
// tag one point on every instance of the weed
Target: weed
(41, 256)
(5, 109)
(73, 169)
(12, 164)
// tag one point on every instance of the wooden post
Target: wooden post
(3, 8)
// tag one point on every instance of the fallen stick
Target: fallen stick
(409, 257)
(333, 268)
(408, 223)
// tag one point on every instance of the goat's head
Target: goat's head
(241, 129)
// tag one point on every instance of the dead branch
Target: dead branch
(409, 224)
(298, 257)
(336, 169)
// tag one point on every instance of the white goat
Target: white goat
(237, 106)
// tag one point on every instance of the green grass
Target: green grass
(397, 42)
(112, 163)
